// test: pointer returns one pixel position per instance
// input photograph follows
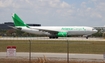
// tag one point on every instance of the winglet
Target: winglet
(18, 21)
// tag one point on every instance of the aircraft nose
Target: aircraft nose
(95, 31)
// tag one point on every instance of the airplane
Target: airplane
(52, 31)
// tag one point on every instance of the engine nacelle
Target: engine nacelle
(62, 34)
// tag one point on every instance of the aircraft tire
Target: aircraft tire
(87, 37)
(53, 37)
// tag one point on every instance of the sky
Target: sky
(55, 12)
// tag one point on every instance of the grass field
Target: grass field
(90, 47)
(43, 61)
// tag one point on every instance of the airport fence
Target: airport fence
(46, 50)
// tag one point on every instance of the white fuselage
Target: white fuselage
(71, 30)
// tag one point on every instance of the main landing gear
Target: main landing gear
(53, 37)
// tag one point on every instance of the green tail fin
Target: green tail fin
(18, 21)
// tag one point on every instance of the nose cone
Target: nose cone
(95, 30)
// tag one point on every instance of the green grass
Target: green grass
(56, 46)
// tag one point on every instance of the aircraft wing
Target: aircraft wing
(49, 31)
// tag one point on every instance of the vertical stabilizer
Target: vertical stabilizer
(18, 21)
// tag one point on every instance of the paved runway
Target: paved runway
(20, 55)
(46, 38)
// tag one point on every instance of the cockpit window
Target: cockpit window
(92, 29)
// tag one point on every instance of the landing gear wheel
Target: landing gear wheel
(53, 37)
(87, 37)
